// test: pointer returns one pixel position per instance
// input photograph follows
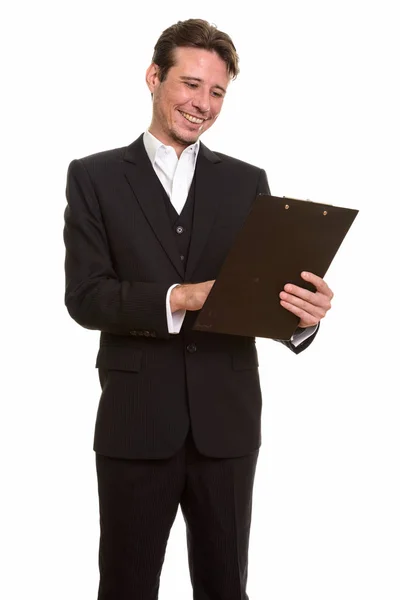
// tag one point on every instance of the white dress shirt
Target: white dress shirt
(176, 177)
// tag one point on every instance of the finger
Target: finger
(319, 283)
(313, 298)
(306, 318)
(317, 310)
(300, 292)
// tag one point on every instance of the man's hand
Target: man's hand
(311, 307)
(190, 296)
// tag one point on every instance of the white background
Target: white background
(316, 105)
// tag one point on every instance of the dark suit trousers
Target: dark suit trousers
(139, 500)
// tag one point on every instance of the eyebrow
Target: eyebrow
(185, 78)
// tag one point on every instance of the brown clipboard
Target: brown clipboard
(280, 238)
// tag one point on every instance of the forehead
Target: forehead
(204, 64)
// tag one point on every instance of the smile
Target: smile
(192, 119)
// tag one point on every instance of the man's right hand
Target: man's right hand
(190, 296)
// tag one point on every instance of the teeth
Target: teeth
(192, 119)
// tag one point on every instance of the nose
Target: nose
(201, 101)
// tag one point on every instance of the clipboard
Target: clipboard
(280, 238)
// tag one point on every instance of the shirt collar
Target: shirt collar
(152, 146)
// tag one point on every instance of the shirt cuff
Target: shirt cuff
(174, 320)
(301, 336)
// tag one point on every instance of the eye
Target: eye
(217, 94)
(191, 85)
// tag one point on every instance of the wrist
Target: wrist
(177, 299)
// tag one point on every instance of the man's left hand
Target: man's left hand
(311, 307)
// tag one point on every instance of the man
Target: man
(147, 228)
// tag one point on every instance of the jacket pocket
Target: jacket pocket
(119, 358)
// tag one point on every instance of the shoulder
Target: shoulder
(110, 161)
(236, 164)
(241, 174)
(103, 157)
(98, 165)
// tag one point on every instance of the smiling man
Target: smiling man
(188, 99)
(147, 229)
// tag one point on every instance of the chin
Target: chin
(185, 137)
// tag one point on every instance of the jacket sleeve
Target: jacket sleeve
(94, 295)
(263, 188)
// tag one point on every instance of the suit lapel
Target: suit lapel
(208, 191)
(148, 191)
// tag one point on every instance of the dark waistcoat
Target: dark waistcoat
(182, 224)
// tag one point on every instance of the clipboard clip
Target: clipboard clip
(307, 200)
(325, 212)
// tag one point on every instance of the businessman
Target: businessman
(147, 228)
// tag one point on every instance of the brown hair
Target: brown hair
(198, 34)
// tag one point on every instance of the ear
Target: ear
(152, 77)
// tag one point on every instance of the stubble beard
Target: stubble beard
(180, 140)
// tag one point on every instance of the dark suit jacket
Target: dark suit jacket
(121, 258)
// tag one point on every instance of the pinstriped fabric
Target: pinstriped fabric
(151, 415)
(139, 500)
(216, 505)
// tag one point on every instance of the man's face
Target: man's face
(189, 100)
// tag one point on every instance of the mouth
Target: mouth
(191, 118)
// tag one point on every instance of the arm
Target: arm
(310, 307)
(301, 335)
(94, 295)
(301, 339)
(183, 297)
(174, 319)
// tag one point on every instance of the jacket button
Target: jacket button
(191, 348)
(179, 229)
